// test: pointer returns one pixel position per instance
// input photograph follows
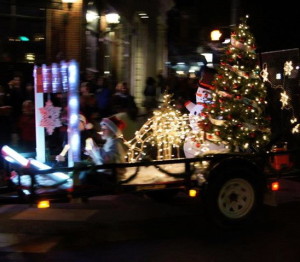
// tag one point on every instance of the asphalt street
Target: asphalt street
(136, 228)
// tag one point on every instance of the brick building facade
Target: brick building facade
(65, 32)
(135, 48)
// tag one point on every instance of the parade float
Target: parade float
(221, 151)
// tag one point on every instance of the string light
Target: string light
(244, 103)
(165, 132)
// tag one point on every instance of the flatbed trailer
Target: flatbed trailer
(233, 186)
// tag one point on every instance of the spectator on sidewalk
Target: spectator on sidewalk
(103, 98)
(29, 92)
(16, 98)
(123, 99)
(161, 84)
(91, 78)
(150, 101)
(87, 101)
(26, 127)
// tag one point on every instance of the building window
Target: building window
(22, 31)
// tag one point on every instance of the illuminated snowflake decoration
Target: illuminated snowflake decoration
(288, 68)
(293, 120)
(284, 100)
(296, 128)
(264, 73)
(50, 117)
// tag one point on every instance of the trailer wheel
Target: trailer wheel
(234, 197)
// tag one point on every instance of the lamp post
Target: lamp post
(111, 20)
(108, 23)
(69, 4)
(91, 55)
(91, 16)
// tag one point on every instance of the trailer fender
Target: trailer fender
(217, 168)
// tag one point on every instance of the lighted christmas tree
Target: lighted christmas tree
(236, 113)
(163, 133)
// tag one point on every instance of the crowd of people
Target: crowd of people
(100, 99)
(17, 113)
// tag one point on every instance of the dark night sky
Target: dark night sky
(274, 25)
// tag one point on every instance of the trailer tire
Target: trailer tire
(234, 197)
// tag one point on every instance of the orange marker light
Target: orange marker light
(192, 193)
(43, 204)
(275, 186)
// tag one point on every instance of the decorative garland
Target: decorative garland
(240, 45)
(175, 175)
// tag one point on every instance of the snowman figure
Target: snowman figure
(199, 142)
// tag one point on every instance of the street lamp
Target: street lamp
(112, 18)
(69, 3)
(109, 23)
(91, 16)
(215, 35)
(70, 6)
(221, 35)
(92, 19)
(66, 22)
(219, 39)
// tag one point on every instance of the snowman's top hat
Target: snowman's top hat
(207, 78)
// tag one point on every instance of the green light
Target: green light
(23, 38)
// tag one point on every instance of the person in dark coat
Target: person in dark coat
(123, 99)
(150, 101)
